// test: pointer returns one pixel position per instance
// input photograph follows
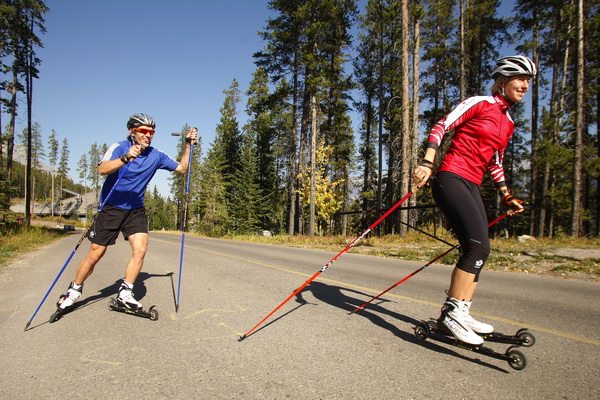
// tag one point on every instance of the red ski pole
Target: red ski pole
(420, 269)
(312, 278)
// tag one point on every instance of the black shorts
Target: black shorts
(112, 220)
(461, 203)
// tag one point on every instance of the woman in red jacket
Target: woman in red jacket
(482, 129)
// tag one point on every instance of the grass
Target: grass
(18, 239)
(540, 256)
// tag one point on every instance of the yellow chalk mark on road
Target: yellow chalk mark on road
(235, 333)
(377, 291)
(101, 361)
(207, 310)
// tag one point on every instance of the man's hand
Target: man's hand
(192, 136)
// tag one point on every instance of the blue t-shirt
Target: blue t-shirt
(129, 192)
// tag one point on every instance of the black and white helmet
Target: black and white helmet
(513, 66)
(140, 119)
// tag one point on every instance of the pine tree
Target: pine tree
(63, 163)
(262, 109)
(245, 195)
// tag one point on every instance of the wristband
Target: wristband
(426, 163)
(125, 159)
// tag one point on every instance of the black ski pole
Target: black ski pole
(312, 278)
(420, 269)
(183, 223)
(77, 245)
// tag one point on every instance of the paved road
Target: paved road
(310, 349)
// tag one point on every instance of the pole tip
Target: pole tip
(242, 338)
(27, 326)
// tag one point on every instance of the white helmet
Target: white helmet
(140, 119)
(513, 66)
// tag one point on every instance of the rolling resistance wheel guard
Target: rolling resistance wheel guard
(57, 317)
(312, 278)
(420, 269)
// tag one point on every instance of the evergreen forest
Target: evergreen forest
(300, 165)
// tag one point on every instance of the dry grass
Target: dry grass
(18, 239)
(564, 257)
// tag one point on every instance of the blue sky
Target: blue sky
(105, 60)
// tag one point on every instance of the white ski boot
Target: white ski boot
(67, 300)
(453, 318)
(477, 326)
(125, 297)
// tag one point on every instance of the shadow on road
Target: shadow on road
(139, 290)
(338, 297)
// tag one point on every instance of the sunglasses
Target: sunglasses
(145, 131)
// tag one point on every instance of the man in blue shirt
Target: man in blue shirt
(124, 211)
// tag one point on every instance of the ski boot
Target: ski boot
(477, 326)
(434, 330)
(454, 319)
(522, 338)
(126, 303)
(66, 302)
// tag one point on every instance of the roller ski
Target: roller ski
(429, 330)
(126, 303)
(66, 302)
(457, 328)
(486, 331)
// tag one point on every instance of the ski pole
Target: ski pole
(78, 244)
(312, 278)
(420, 269)
(183, 223)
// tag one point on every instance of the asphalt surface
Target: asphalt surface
(311, 348)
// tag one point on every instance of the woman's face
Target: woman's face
(516, 87)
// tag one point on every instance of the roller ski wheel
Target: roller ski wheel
(517, 359)
(59, 313)
(152, 313)
(56, 316)
(429, 330)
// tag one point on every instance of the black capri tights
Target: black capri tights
(460, 201)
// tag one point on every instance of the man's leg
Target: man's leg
(138, 243)
(84, 270)
(87, 265)
(139, 246)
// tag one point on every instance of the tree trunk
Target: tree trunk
(406, 133)
(381, 100)
(534, 128)
(10, 143)
(313, 165)
(579, 121)
(415, 101)
(293, 171)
